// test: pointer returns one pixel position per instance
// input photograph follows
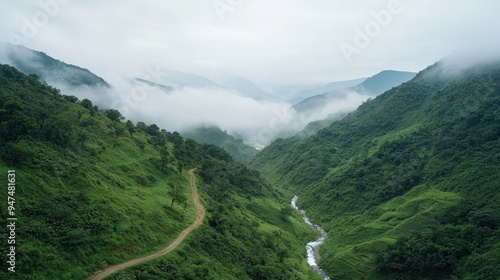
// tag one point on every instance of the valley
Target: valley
(412, 167)
(97, 191)
(415, 167)
(250, 140)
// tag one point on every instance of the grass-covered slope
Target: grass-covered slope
(92, 190)
(417, 167)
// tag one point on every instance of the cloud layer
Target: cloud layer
(276, 44)
(271, 42)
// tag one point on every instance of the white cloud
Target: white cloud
(271, 42)
(274, 43)
(185, 108)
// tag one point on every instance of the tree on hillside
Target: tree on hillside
(82, 136)
(114, 115)
(34, 77)
(158, 141)
(87, 104)
(285, 212)
(165, 158)
(130, 127)
(177, 195)
(17, 126)
(71, 98)
(141, 126)
(152, 130)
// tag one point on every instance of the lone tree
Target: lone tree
(130, 127)
(165, 158)
(177, 195)
(114, 115)
(85, 103)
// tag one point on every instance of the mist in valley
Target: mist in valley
(266, 52)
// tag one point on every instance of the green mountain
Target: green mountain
(304, 94)
(408, 185)
(92, 190)
(383, 82)
(215, 136)
(52, 71)
(370, 87)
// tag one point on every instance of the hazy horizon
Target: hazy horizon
(281, 46)
(274, 44)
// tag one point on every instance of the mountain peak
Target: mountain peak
(49, 69)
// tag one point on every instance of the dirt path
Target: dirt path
(200, 214)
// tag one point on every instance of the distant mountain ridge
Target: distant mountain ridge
(181, 79)
(171, 80)
(304, 94)
(64, 76)
(243, 86)
(383, 82)
(47, 68)
(370, 87)
(164, 88)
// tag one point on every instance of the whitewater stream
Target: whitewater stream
(312, 255)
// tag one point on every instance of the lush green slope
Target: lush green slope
(215, 136)
(92, 190)
(393, 169)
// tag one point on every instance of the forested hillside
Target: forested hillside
(408, 185)
(94, 190)
(215, 136)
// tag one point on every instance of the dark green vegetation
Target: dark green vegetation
(408, 185)
(215, 136)
(94, 190)
(48, 69)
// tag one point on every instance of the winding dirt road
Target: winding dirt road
(200, 215)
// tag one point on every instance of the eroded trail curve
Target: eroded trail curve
(200, 215)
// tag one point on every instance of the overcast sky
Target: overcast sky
(280, 42)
